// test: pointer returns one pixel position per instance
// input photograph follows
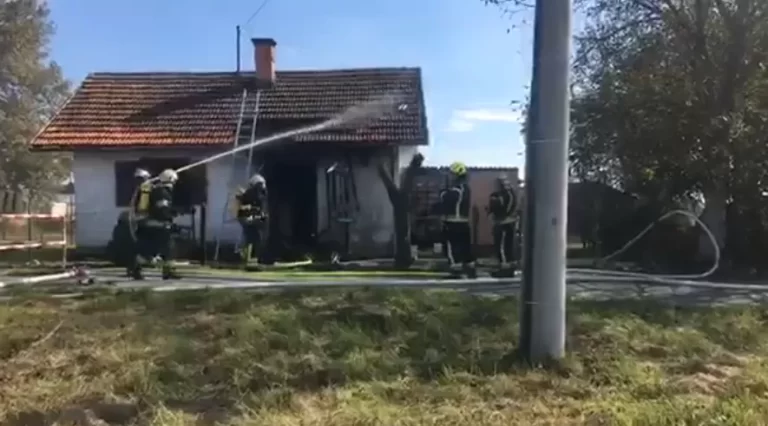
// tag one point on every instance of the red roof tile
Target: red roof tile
(161, 109)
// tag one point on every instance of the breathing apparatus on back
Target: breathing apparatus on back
(144, 188)
(141, 175)
(142, 193)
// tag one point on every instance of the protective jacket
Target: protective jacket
(455, 202)
(251, 204)
(502, 206)
(161, 204)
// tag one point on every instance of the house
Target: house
(116, 122)
(425, 194)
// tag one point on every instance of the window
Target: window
(190, 190)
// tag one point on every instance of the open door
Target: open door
(342, 202)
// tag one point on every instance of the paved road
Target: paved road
(679, 295)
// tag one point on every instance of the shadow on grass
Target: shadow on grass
(208, 351)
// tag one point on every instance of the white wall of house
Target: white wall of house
(221, 186)
(370, 234)
(96, 212)
(404, 155)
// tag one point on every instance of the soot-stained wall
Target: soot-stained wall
(372, 232)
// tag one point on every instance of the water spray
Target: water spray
(354, 116)
(357, 115)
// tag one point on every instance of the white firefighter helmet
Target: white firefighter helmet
(168, 176)
(141, 173)
(257, 179)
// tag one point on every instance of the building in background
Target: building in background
(426, 224)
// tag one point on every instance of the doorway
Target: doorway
(292, 189)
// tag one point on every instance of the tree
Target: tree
(671, 99)
(674, 99)
(31, 90)
(399, 196)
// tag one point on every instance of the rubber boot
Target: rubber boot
(136, 270)
(169, 272)
(250, 264)
(504, 273)
(470, 270)
(505, 270)
(454, 271)
(245, 254)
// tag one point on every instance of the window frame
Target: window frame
(191, 189)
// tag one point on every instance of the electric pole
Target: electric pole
(542, 323)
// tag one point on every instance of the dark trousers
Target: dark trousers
(152, 241)
(253, 239)
(123, 244)
(504, 235)
(458, 243)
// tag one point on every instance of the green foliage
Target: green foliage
(31, 90)
(671, 101)
(672, 95)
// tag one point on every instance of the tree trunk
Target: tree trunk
(400, 200)
(403, 255)
(397, 197)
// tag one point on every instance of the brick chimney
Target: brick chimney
(264, 58)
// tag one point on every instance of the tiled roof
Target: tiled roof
(161, 109)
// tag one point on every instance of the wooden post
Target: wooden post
(65, 235)
(29, 225)
(203, 239)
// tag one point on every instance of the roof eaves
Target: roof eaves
(422, 100)
(53, 117)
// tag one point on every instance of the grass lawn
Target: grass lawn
(370, 357)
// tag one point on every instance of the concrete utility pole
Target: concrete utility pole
(542, 326)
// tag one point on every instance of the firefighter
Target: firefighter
(156, 236)
(139, 206)
(456, 201)
(502, 207)
(142, 176)
(251, 211)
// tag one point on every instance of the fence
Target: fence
(32, 232)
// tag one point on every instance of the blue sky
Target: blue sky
(472, 67)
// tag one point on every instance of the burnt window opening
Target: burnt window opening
(191, 189)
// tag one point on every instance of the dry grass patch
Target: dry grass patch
(371, 357)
